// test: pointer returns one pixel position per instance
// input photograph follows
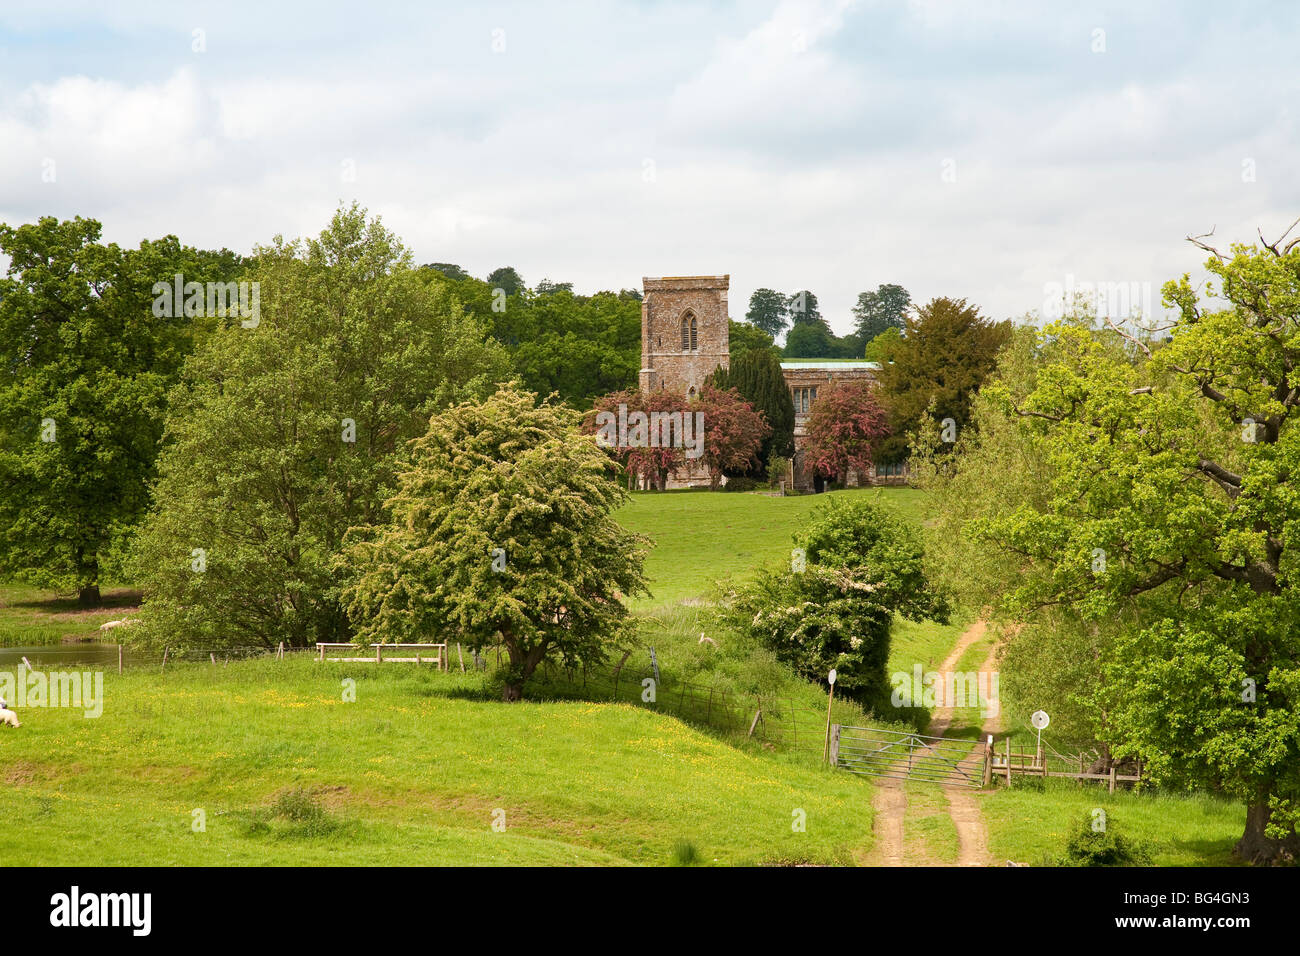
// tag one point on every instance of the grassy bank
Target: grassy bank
(32, 617)
(287, 772)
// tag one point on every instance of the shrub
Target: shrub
(743, 483)
(1095, 841)
(862, 566)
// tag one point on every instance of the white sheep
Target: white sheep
(7, 716)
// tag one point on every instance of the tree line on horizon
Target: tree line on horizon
(91, 364)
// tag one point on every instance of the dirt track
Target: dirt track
(890, 801)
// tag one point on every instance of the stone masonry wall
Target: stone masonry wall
(664, 364)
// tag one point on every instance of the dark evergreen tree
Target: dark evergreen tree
(757, 375)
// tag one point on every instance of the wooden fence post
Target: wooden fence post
(461, 657)
(1008, 743)
(988, 761)
(164, 663)
(213, 656)
(1112, 776)
(754, 723)
(119, 658)
(835, 745)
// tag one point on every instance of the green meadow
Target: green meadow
(265, 762)
(415, 771)
(419, 768)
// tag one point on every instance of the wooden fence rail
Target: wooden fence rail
(1037, 764)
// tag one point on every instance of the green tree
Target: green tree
(501, 531)
(744, 338)
(767, 311)
(879, 311)
(581, 347)
(449, 269)
(506, 279)
(285, 435)
(82, 393)
(757, 376)
(946, 352)
(881, 348)
(809, 341)
(861, 567)
(1171, 510)
(1051, 660)
(803, 309)
(547, 287)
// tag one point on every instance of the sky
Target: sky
(1000, 152)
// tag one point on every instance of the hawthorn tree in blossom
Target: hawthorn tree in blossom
(844, 427)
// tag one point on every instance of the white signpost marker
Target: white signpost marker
(1040, 720)
(826, 749)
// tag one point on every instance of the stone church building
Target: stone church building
(685, 335)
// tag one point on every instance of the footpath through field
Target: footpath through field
(890, 801)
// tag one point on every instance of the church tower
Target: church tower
(685, 333)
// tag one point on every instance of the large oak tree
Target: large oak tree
(1166, 514)
(283, 436)
(84, 374)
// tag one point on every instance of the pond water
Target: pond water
(59, 656)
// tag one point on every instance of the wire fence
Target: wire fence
(779, 721)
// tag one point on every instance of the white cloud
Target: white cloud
(795, 145)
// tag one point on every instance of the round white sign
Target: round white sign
(831, 676)
(1040, 720)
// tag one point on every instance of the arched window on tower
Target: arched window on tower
(690, 334)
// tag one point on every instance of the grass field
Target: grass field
(288, 773)
(701, 537)
(32, 617)
(1030, 823)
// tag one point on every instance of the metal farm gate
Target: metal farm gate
(952, 761)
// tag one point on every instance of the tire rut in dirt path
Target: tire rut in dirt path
(941, 719)
(890, 805)
(890, 800)
(962, 804)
